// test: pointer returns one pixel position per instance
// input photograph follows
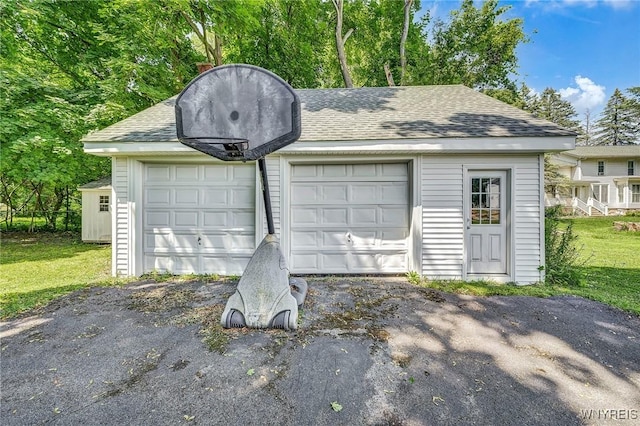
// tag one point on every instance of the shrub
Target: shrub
(561, 251)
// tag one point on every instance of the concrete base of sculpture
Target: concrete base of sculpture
(263, 298)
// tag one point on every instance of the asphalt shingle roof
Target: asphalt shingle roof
(102, 183)
(604, 151)
(369, 113)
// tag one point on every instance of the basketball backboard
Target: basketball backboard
(238, 112)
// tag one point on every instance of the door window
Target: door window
(485, 200)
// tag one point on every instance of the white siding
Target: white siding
(442, 217)
(443, 214)
(274, 175)
(121, 225)
(96, 224)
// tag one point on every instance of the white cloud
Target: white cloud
(587, 96)
(556, 4)
(620, 4)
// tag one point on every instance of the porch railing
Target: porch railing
(578, 204)
(590, 205)
(601, 207)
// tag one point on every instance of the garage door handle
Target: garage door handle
(349, 238)
(199, 240)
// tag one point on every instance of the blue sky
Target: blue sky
(584, 49)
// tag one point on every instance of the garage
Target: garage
(349, 218)
(198, 218)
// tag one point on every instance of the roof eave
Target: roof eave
(418, 146)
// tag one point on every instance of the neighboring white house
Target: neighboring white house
(441, 180)
(96, 211)
(601, 180)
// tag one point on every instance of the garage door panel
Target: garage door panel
(397, 170)
(158, 196)
(334, 194)
(394, 216)
(231, 265)
(334, 170)
(243, 219)
(305, 262)
(333, 240)
(215, 219)
(364, 170)
(336, 216)
(157, 173)
(304, 170)
(363, 192)
(194, 211)
(159, 241)
(304, 216)
(394, 193)
(216, 197)
(305, 194)
(349, 218)
(187, 196)
(186, 218)
(393, 238)
(187, 173)
(226, 243)
(305, 240)
(333, 262)
(242, 197)
(158, 218)
(364, 215)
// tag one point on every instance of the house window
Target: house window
(631, 168)
(104, 203)
(600, 168)
(635, 193)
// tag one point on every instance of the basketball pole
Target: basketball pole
(262, 164)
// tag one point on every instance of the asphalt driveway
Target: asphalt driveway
(367, 351)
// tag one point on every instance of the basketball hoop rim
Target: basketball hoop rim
(205, 139)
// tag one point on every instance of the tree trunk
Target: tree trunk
(403, 40)
(197, 31)
(218, 50)
(387, 73)
(340, 41)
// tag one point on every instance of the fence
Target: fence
(35, 220)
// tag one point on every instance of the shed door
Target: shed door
(487, 223)
(198, 218)
(349, 218)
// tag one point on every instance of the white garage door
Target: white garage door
(198, 218)
(349, 218)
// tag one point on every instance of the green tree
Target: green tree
(288, 38)
(476, 47)
(550, 106)
(616, 124)
(67, 68)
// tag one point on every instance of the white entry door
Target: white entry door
(349, 218)
(486, 222)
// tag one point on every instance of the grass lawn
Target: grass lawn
(610, 268)
(38, 267)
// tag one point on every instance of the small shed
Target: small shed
(96, 211)
(441, 180)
